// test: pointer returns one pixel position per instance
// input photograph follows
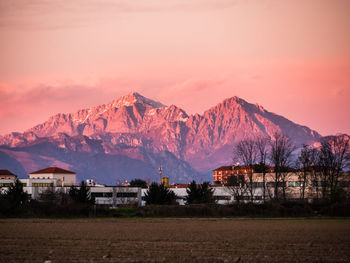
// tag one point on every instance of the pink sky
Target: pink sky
(292, 57)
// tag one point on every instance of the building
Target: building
(63, 177)
(221, 174)
(58, 179)
(289, 186)
(33, 187)
(92, 182)
(36, 186)
(116, 196)
(7, 175)
(6, 180)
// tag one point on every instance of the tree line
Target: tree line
(15, 201)
(78, 200)
(158, 194)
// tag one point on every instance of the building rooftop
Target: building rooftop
(6, 172)
(256, 167)
(53, 170)
(224, 168)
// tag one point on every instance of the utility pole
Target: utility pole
(160, 174)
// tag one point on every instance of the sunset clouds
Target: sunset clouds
(293, 57)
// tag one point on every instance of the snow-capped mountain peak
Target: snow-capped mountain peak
(134, 97)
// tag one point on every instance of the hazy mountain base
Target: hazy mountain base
(106, 168)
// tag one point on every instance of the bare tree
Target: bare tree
(245, 152)
(237, 186)
(57, 197)
(280, 157)
(334, 159)
(262, 144)
(306, 163)
(286, 174)
(315, 173)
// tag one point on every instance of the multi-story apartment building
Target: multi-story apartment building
(222, 174)
(290, 184)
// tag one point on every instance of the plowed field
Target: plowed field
(174, 240)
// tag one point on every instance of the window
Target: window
(222, 197)
(296, 184)
(272, 184)
(94, 195)
(258, 184)
(42, 184)
(5, 184)
(127, 194)
(319, 183)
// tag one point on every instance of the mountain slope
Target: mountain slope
(212, 136)
(93, 158)
(135, 135)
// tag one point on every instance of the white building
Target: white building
(116, 195)
(34, 187)
(63, 177)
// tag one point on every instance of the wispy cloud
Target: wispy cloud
(55, 14)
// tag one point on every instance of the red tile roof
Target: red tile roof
(224, 168)
(53, 170)
(5, 172)
(242, 167)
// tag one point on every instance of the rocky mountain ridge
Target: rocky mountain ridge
(138, 129)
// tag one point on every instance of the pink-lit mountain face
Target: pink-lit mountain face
(131, 136)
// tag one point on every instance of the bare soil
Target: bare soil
(175, 240)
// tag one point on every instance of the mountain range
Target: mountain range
(130, 137)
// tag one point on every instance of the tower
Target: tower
(160, 173)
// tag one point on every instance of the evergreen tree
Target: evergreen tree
(13, 200)
(138, 183)
(160, 195)
(84, 193)
(207, 193)
(73, 193)
(193, 193)
(199, 194)
(15, 194)
(81, 194)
